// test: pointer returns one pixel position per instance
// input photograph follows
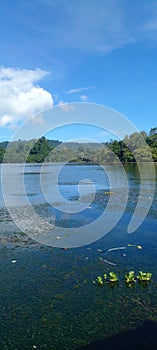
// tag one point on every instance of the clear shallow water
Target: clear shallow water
(47, 298)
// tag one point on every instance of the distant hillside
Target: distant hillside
(134, 147)
(76, 145)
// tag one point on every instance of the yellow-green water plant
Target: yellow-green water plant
(144, 276)
(112, 277)
(100, 280)
(130, 277)
(105, 276)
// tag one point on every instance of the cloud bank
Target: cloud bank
(96, 26)
(80, 89)
(20, 96)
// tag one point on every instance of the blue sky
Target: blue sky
(64, 51)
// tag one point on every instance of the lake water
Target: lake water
(47, 297)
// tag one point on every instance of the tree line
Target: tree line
(138, 146)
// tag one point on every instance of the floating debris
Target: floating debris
(110, 250)
(117, 248)
(14, 261)
(136, 246)
(109, 262)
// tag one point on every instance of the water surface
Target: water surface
(47, 297)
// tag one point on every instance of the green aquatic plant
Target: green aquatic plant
(144, 276)
(130, 277)
(99, 280)
(113, 277)
(108, 193)
(105, 276)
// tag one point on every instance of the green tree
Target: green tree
(39, 151)
(1, 153)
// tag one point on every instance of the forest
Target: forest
(138, 146)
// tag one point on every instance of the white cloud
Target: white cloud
(20, 96)
(84, 98)
(66, 107)
(151, 24)
(39, 120)
(101, 26)
(73, 91)
(90, 25)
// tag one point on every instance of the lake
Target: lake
(56, 240)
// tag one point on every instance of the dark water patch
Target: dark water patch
(144, 337)
(48, 300)
(37, 173)
(25, 194)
